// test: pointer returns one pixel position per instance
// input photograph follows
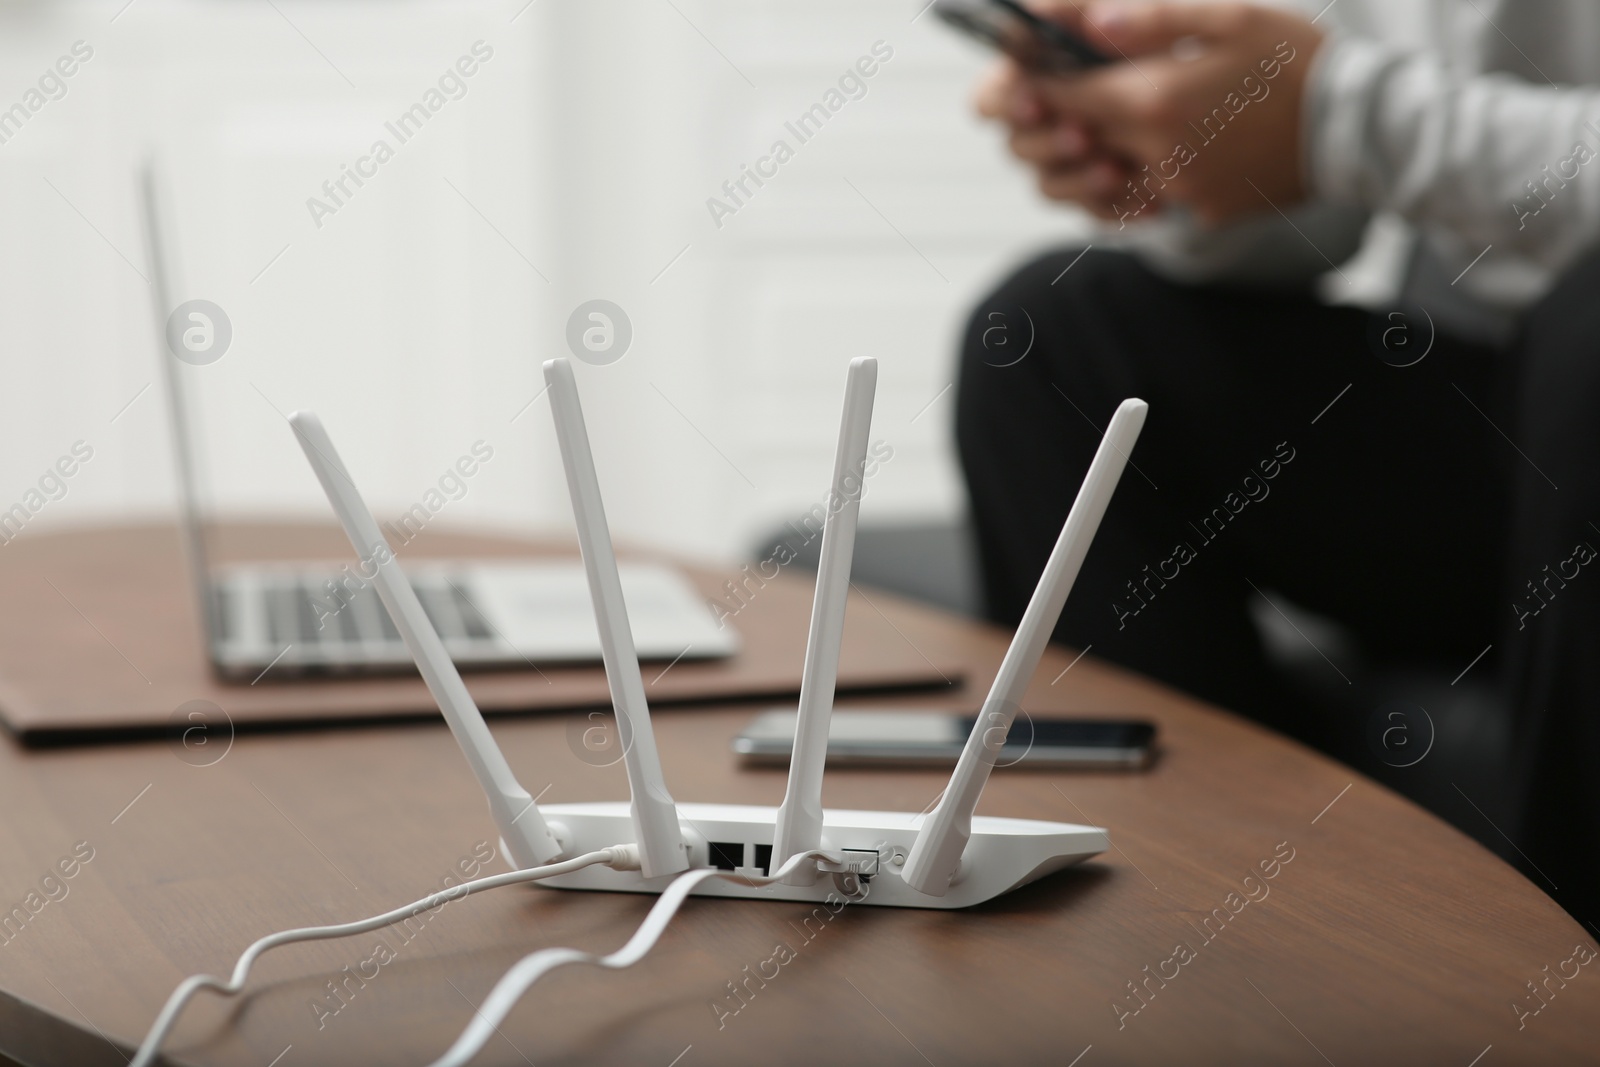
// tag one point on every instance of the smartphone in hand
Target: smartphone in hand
(1035, 43)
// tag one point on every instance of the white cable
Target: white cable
(516, 981)
(622, 857)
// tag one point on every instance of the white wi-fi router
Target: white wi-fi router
(949, 858)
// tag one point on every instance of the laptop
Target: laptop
(317, 618)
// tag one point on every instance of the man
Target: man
(1426, 472)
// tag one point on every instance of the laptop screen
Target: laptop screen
(160, 249)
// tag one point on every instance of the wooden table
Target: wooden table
(1387, 938)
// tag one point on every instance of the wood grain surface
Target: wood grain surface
(101, 634)
(1387, 938)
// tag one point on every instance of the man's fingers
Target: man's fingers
(1136, 29)
(1007, 96)
(1094, 187)
(994, 91)
(1116, 100)
(1052, 145)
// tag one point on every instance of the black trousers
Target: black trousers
(1435, 506)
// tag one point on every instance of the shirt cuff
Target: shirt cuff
(1340, 96)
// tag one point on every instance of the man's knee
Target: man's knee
(1057, 325)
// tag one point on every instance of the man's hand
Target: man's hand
(1070, 165)
(1205, 110)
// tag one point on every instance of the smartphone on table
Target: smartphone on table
(935, 739)
(1035, 43)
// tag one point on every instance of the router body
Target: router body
(1001, 855)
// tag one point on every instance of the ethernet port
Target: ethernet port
(727, 856)
(764, 858)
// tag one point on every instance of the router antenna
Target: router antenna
(936, 853)
(655, 816)
(526, 837)
(799, 827)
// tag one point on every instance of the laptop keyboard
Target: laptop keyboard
(292, 618)
(310, 613)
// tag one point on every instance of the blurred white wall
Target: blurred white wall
(577, 165)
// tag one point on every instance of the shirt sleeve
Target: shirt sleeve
(1490, 158)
